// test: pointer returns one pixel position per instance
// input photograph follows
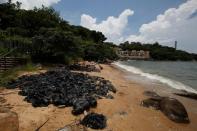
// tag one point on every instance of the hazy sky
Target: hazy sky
(132, 20)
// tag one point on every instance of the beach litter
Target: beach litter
(63, 87)
(170, 107)
(86, 66)
(81, 104)
(94, 121)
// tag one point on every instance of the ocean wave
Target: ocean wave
(172, 83)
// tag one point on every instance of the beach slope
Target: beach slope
(124, 112)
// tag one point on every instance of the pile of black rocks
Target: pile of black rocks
(63, 87)
(94, 121)
(86, 67)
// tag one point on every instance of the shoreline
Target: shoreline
(157, 78)
(133, 95)
(124, 112)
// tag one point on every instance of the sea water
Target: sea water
(175, 75)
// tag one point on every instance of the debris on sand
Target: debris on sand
(94, 121)
(63, 87)
(81, 104)
(86, 66)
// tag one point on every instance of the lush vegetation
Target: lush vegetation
(42, 34)
(12, 74)
(45, 37)
(159, 52)
(3, 50)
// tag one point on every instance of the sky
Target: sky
(146, 21)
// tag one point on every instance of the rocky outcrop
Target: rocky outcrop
(151, 94)
(8, 120)
(174, 110)
(151, 102)
(171, 107)
(187, 94)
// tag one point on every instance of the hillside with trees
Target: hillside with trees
(44, 36)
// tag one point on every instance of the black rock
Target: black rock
(187, 94)
(80, 67)
(151, 94)
(174, 110)
(109, 96)
(94, 121)
(171, 107)
(92, 101)
(62, 87)
(80, 105)
(151, 102)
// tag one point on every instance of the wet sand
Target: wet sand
(123, 113)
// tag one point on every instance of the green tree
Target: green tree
(18, 5)
(48, 37)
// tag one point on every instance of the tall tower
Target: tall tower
(175, 45)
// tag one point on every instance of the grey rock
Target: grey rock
(187, 94)
(174, 110)
(170, 107)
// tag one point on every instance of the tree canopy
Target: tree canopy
(43, 35)
(48, 37)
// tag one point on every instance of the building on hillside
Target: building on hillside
(134, 54)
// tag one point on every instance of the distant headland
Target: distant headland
(155, 51)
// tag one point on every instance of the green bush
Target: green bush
(12, 74)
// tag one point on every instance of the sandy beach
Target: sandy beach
(124, 112)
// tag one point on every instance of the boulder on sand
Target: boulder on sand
(187, 94)
(174, 110)
(151, 94)
(82, 104)
(171, 107)
(8, 120)
(151, 102)
(94, 121)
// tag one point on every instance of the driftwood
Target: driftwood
(42, 125)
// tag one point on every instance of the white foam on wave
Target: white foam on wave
(172, 83)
